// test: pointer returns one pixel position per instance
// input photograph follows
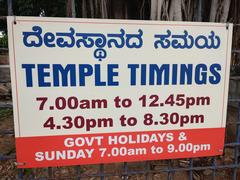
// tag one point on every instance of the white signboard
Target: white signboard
(98, 91)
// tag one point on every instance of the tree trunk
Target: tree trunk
(156, 9)
(84, 9)
(118, 9)
(175, 13)
(213, 11)
(159, 9)
(68, 8)
(104, 13)
(200, 8)
(165, 8)
(153, 15)
(91, 7)
(73, 9)
(226, 5)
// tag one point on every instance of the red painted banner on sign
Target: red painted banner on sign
(43, 151)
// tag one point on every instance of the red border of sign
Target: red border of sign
(29, 146)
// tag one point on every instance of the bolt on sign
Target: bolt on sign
(88, 91)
